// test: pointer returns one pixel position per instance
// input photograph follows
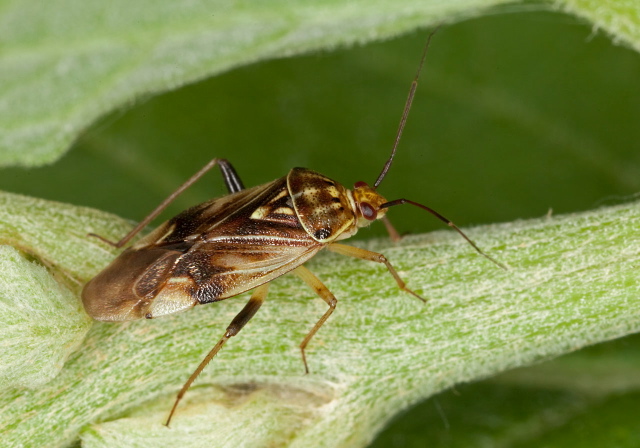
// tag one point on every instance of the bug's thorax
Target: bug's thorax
(323, 206)
(327, 210)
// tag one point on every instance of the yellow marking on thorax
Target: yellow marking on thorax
(284, 211)
(260, 212)
(280, 195)
(264, 211)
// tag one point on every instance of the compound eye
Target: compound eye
(368, 211)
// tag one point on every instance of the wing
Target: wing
(227, 267)
(210, 252)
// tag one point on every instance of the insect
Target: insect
(241, 242)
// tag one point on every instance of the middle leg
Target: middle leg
(307, 276)
(249, 310)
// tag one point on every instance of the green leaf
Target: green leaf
(620, 18)
(56, 235)
(503, 127)
(519, 113)
(67, 62)
(381, 351)
(41, 322)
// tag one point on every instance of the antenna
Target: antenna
(448, 222)
(405, 112)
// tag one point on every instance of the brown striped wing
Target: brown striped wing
(210, 252)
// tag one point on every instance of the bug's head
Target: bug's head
(368, 203)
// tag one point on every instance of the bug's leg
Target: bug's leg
(326, 295)
(393, 233)
(230, 176)
(371, 256)
(231, 180)
(249, 310)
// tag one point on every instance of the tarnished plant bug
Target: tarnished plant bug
(241, 242)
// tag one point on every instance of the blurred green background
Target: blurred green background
(516, 114)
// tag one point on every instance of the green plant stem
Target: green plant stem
(571, 283)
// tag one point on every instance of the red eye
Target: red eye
(368, 211)
(360, 184)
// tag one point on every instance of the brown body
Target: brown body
(241, 242)
(223, 247)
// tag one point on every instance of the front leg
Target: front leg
(364, 254)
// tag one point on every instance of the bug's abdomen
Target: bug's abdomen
(127, 289)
